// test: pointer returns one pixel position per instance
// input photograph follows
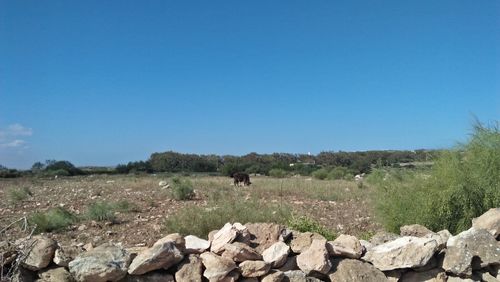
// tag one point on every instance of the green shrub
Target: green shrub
(16, 195)
(52, 220)
(101, 211)
(306, 224)
(125, 206)
(463, 184)
(338, 172)
(182, 189)
(278, 173)
(320, 174)
(224, 207)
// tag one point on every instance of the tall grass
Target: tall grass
(463, 184)
(54, 219)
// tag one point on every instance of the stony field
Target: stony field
(340, 206)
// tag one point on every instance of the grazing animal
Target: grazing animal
(240, 177)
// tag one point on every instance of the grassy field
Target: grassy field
(134, 209)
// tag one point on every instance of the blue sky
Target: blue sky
(107, 82)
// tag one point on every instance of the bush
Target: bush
(52, 220)
(278, 173)
(320, 174)
(125, 206)
(101, 211)
(62, 168)
(16, 195)
(463, 184)
(306, 224)
(225, 207)
(182, 189)
(339, 172)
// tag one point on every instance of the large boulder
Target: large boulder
(315, 258)
(225, 235)
(301, 241)
(463, 248)
(383, 237)
(41, 252)
(195, 245)
(163, 254)
(190, 270)
(276, 254)
(433, 275)
(346, 270)
(415, 230)
(59, 274)
(405, 252)
(64, 254)
(254, 268)
(345, 246)
(263, 235)
(106, 262)
(490, 221)
(240, 252)
(216, 267)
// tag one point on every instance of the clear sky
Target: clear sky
(106, 82)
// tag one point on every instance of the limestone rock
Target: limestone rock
(383, 237)
(216, 267)
(41, 254)
(301, 241)
(405, 252)
(346, 270)
(441, 237)
(163, 254)
(64, 254)
(263, 235)
(433, 275)
(471, 243)
(345, 246)
(273, 276)
(224, 236)
(298, 276)
(107, 262)
(179, 241)
(240, 252)
(415, 230)
(315, 258)
(490, 221)
(276, 254)
(195, 245)
(190, 270)
(254, 268)
(59, 274)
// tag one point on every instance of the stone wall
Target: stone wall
(269, 252)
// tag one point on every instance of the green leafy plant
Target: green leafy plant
(182, 189)
(52, 220)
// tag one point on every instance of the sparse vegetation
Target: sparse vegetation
(278, 173)
(55, 219)
(125, 206)
(306, 224)
(16, 195)
(101, 211)
(182, 189)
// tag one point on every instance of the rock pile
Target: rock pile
(271, 253)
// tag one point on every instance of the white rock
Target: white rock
(276, 254)
(195, 245)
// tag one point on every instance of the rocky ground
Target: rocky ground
(345, 211)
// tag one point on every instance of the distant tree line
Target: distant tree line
(253, 163)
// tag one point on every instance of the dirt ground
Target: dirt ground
(339, 205)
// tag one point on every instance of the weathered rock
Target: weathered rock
(263, 235)
(64, 254)
(163, 254)
(315, 258)
(346, 270)
(490, 221)
(211, 235)
(486, 277)
(394, 275)
(441, 238)
(240, 252)
(153, 276)
(216, 267)
(195, 245)
(254, 268)
(232, 276)
(345, 246)
(301, 241)
(190, 270)
(405, 252)
(179, 241)
(290, 264)
(224, 236)
(24, 275)
(383, 237)
(273, 276)
(276, 254)
(107, 262)
(366, 245)
(459, 279)
(41, 254)
(59, 274)
(298, 276)
(461, 250)
(415, 230)
(433, 275)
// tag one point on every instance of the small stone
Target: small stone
(216, 267)
(315, 258)
(254, 268)
(345, 246)
(240, 252)
(276, 254)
